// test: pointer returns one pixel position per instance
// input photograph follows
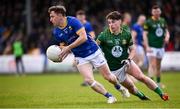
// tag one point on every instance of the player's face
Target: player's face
(81, 17)
(114, 25)
(142, 19)
(156, 12)
(128, 18)
(56, 19)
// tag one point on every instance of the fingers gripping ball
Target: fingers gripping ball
(53, 53)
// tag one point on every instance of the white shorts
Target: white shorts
(139, 50)
(121, 73)
(156, 52)
(97, 59)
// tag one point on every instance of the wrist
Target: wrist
(69, 47)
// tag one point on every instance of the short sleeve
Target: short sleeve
(146, 26)
(88, 27)
(130, 41)
(101, 37)
(76, 24)
(134, 28)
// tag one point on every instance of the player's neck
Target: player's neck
(64, 23)
(155, 18)
(83, 21)
(117, 31)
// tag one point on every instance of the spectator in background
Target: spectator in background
(18, 53)
(137, 35)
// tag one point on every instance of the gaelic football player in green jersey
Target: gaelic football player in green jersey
(155, 35)
(117, 45)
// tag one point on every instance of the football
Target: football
(53, 52)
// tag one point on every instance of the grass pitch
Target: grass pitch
(64, 91)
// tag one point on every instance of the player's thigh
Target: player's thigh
(100, 63)
(134, 71)
(158, 63)
(152, 61)
(104, 70)
(84, 67)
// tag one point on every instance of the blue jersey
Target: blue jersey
(88, 27)
(68, 35)
(139, 31)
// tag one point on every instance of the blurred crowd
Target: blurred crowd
(13, 19)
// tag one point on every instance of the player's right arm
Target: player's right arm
(82, 36)
(100, 38)
(134, 34)
(145, 38)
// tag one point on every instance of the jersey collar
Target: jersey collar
(118, 33)
(154, 18)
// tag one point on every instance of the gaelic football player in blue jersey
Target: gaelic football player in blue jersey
(73, 38)
(137, 35)
(81, 16)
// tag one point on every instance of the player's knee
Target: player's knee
(108, 77)
(142, 78)
(89, 81)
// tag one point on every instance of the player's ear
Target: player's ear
(160, 11)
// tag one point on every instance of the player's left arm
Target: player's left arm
(167, 34)
(132, 48)
(92, 33)
(132, 51)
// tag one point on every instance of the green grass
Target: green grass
(64, 91)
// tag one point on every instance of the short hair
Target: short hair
(155, 7)
(80, 12)
(58, 9)
(115, 15)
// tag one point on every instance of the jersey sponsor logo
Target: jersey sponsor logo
(109, 41)
(117, 51)
(159, 32)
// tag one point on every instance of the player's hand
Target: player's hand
(65, 51)
(148, 49)
(166, 40)
(126, 61)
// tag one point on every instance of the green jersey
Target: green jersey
(115, 47)
(17, 48)
(156, 32)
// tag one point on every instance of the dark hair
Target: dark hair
(58, 9)
(80, 12)
(115, 15)
(155, 7)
